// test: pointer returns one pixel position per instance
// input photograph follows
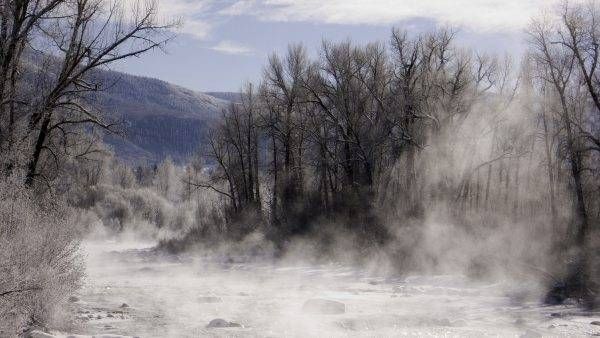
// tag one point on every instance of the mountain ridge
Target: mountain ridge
(159, 119)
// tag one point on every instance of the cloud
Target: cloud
(489, 15)
(232, 48)
(194, 14)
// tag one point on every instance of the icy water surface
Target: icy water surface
(136, 292)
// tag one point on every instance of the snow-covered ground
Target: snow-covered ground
(133, 291)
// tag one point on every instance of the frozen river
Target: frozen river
(133, 291)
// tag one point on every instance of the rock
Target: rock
(82, 317)
(520, 322)
(73, 299)
(209, 299)
(459, 323)
(323, 307)
(556, 315)
(221, 323)
(124, 305)
(110, 315)
(531, 334)
(38, 334)
(596, 322)
(443, 322)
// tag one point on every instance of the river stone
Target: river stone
(531, 334)
(209, 299)
(38, 334)
(323, 307)
(220, 323)
(443, 322)
(459, 323)
(520, 322)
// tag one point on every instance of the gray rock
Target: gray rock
(323, 307)
(209, 299)
(596, 322)
(427, 321)
(531, 334)
(221, 323)
(520, 322)
(124, 305)
(38, 334)
(73, 299)
(459, 323)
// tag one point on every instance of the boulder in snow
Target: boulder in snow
(323, 307)
(531, 334)
(38, 334)
(209, 299)
(221, 323)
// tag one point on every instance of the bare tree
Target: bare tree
(93, 34)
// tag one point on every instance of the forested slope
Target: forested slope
(155, 119)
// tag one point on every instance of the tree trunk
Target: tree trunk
(274, 200)
(39, 145)
(550, 172)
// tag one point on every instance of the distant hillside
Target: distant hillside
(228, 96)
(159, 119)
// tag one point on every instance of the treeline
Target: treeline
(364, 127)
(379, 134)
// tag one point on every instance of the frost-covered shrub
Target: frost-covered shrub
(40, 264)
(144, 211)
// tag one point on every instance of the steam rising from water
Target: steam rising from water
(177, 296)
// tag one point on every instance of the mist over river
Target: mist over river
(133, 290)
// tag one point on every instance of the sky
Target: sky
(223, 43)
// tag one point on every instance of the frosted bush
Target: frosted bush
(40, 263)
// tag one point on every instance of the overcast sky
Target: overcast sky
(225, 42)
